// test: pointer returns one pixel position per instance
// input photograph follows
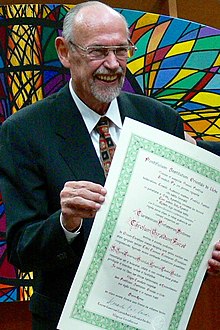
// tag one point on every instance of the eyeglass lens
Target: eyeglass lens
(120, 52)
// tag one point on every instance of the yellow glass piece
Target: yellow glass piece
(209, 115)
(201, 126)
(183, 47)
(155, 66)
(181, 75)
(208, 98)
(136, 65)
(207, 111)
(25, 291)
(146, 20)
(213, 138)
(214, 129)
(176, 96)
(217, 61)
(152, 78)
(190, 117)
(26, 10)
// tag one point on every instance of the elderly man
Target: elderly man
(51, 173)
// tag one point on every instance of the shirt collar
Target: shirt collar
(90, 117)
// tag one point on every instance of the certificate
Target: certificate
(151, 240)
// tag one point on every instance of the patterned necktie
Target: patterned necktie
(106, 144)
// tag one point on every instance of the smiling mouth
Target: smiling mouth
(107, 78)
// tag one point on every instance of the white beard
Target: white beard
(106, 95)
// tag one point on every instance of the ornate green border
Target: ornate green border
(137, 143)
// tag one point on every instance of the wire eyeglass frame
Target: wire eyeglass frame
(98, 52)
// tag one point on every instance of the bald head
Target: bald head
(85, 16)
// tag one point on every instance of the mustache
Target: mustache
(108, 71)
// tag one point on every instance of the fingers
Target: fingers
(189, 138)
(82, 196)
(80, 199)
(214, 262)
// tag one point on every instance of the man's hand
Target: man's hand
(189, 138)
(214, 262)
(80, 199)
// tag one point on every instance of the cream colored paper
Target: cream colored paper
(148, 250)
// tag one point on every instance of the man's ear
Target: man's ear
(62, 51)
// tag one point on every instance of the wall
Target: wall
(202, 11)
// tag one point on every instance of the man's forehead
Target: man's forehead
(96, 14)
(99, 27)
(102, 36)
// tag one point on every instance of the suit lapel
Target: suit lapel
(75, 145)
(74, 142)
(126, 108)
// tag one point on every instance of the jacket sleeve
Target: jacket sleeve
(35, 239)
(212, 146)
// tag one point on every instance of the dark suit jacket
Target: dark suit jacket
(212, 146)
(43, 146)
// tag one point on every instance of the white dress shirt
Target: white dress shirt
(91, 119)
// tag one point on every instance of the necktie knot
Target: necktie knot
(103, 126)
(106, 144)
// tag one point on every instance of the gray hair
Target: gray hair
(70, 17)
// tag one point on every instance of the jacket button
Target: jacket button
(62, 256)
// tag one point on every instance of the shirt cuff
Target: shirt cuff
(70, 236)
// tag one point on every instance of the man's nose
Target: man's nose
(111, 60)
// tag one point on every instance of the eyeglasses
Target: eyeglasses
(100, 52)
